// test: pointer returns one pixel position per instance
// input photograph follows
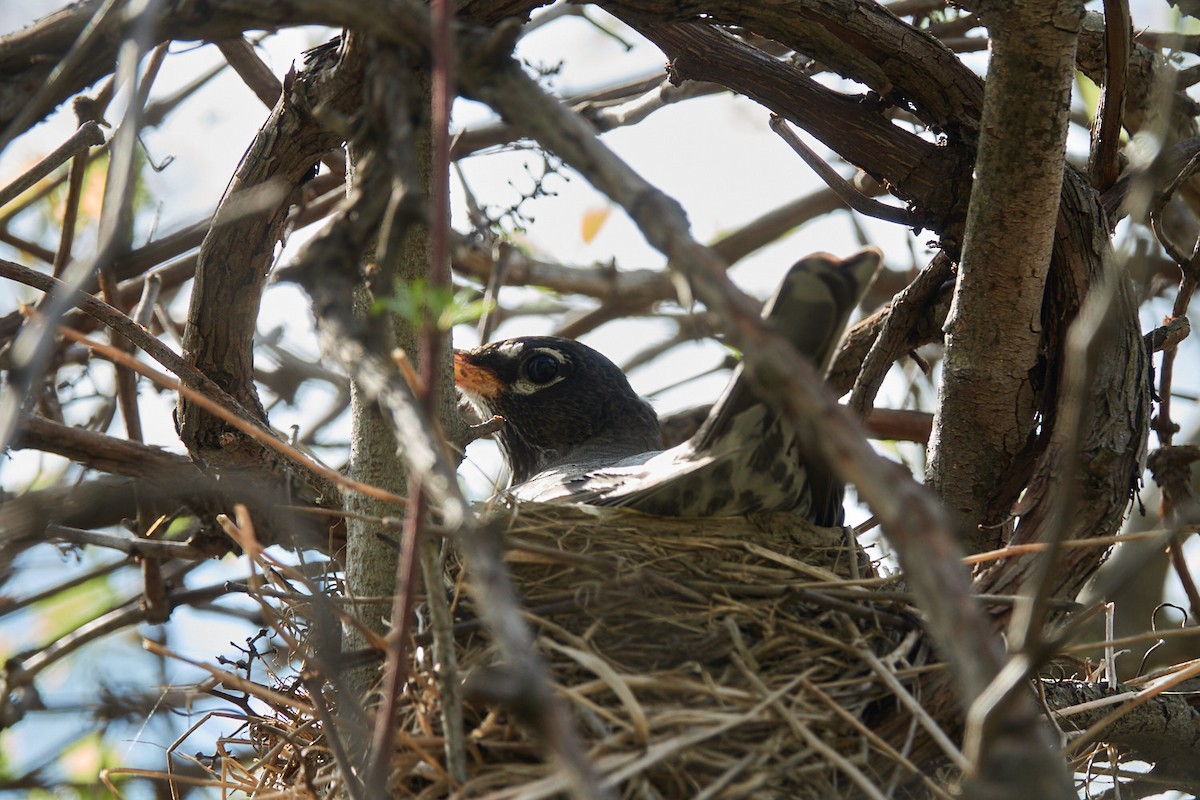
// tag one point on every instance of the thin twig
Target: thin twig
(252, 430)
(875, 739)
(129, 329)
(80, 50)
(828, 753)
(123, 616)
(142, 548)
(395, 670)
(66, 240)
(14, 605)
(235, 681)
(251, 69)
(89, 135)
(849, 195)
(1171, 467)
(109, 283)
(1016, 550)
(32, 348)
(906, 308)
(329, 727)
(445, 659)
(1106, 133)
(1183, 572)
(1125, 641)
(909, 702)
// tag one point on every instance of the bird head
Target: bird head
(560, 400)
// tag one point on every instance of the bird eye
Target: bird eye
(542, 368)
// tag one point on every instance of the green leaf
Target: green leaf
(416, 301)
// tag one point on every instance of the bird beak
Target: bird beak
(475, 378)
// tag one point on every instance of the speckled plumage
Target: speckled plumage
(583, 436)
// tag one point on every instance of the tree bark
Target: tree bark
(398, 139)
(987, 399)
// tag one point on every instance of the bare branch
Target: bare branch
(840, 186)
(89, 135)
(1106, 133)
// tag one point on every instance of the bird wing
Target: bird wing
(598, 481)
(757, 468)
(810, 308)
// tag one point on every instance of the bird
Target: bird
(576, 432)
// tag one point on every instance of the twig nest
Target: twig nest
(654, 593)
(697, 655)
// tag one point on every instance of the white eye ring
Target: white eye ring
(525, 385)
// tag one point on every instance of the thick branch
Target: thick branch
(987, 401)
(237, 255)
(1161, 732)
(916, 170)
(1116, 409)
(100, 452)
(859, 40)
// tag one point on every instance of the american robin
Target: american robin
(575, 431)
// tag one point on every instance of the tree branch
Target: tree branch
(987, 402)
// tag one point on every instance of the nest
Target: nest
(699, 658)
(717, 658)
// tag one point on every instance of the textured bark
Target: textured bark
(371, 553)
(1116, 409)
(932, 179)
(236, 258)
(30, 56)
(906, 66)
(987, 401)
(1143, 106)
(1161, 731)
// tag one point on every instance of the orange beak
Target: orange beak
(472, 377)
